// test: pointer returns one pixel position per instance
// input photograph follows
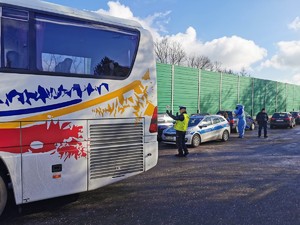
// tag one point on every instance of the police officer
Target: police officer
(262, 120)
(181, 126)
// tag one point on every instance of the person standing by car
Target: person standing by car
(180, 126)
(240, 114)
(262, 120)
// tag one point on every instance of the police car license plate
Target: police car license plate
(170, 138)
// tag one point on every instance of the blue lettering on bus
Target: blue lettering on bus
(44, 94)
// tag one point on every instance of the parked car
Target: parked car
(229, 115)
(282, 119)
(201, 129)
(296, 115)
(163, 121)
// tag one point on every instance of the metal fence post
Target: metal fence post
(238, 89)
(172, 88)
(199, 90)
(252, 98)
(220, 93)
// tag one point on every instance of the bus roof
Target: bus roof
(63, 10)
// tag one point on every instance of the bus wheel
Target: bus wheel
(3, 194)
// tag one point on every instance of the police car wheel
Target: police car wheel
(225, 135)
(3, 194)
(196, 140)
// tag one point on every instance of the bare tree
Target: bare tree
(244, 73)
(228, 71)
(203, 62)
(169, 51)
(200, 62)
(191, 61)
(176, 54)
(216, 66)
(162, 49)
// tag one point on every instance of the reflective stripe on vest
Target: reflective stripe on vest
(182, 125)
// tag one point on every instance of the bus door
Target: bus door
(54, 159)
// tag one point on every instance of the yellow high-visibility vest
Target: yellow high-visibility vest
(182, 125)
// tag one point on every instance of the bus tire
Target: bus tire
(3, 194)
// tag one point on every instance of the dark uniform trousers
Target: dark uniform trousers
(180, 141)
(260, 127)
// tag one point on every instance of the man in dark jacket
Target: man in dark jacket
(262, 120)
(181, 126)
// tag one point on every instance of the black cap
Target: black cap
(182, 107)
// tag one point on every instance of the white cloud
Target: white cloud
(295, 25)
(118, 10)
(287, 57)
(154, 23)
(233, 52)
(296, 79)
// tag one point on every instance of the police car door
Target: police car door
(206, 129)
(217, 128)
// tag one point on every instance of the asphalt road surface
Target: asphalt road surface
(243, 181)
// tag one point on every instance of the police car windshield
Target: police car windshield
(194, 121)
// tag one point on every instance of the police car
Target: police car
(201, 128)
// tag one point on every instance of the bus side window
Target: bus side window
(15, 38)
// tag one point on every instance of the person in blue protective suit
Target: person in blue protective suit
(240, 114)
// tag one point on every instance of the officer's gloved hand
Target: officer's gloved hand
(177, 114)
(169, 112)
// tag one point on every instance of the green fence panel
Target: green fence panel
(164, 86)
(186, 88)
(216, 94)
(259, 95)
(297, 98)
(229, 95)
(281, 97)
(245, 93)
(270, 98)
(210, 92)
(289, 97)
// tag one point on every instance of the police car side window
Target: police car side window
(216, 120)
(206, 121)
(221, 119)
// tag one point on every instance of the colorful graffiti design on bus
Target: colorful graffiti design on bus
(66, 138)
(54, 137)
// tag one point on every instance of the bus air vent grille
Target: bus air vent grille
(116, 149)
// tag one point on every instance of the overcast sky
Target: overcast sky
(262, 36)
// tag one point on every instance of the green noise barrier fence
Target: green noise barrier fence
(208, 92)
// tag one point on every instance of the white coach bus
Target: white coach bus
(77, 100)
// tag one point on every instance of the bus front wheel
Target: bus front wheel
(3, 194)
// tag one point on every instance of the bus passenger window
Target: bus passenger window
(94, 49)
(14, 28)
